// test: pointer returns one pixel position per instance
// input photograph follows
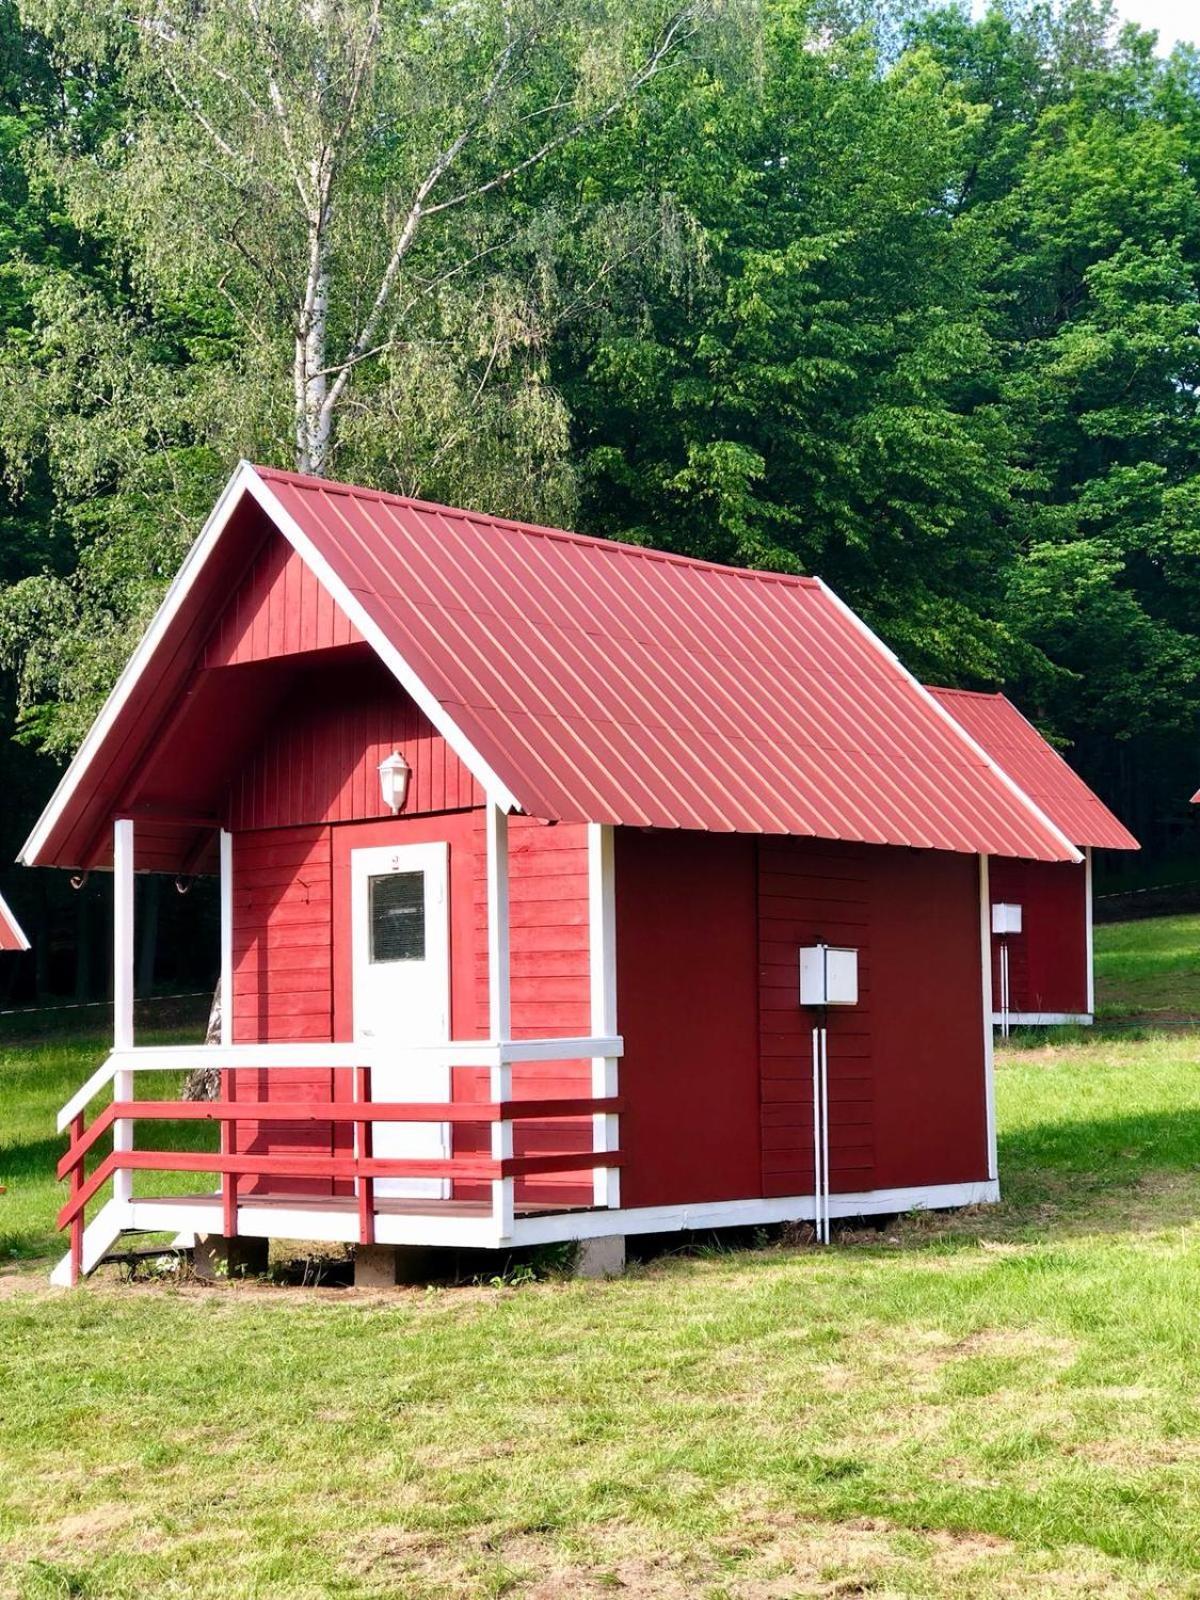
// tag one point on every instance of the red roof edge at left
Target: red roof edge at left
(12, 935)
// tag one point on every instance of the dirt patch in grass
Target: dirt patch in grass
(775, 1554)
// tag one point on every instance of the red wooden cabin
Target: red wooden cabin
(520, 835)
(1050, 976)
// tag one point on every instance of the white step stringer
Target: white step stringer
(99, 1236)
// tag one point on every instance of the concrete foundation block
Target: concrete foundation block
(383, 1266)
(376, 1266)
(215, 1258)
(601, 1258)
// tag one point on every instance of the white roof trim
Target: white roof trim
(12, 922)
(246, 481)
(931, 699)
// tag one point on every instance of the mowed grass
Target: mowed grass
(1149, 968)
(36, 1079)
(1005, 1403)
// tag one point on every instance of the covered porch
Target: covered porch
(358, 1207)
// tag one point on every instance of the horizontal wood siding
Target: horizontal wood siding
(810, 891)
(318, 760)
(283, 983)
(278, 609)
(551, 993)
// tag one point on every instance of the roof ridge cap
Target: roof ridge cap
(534, 529)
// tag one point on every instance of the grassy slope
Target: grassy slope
(1150, 967)
(999, 1404)
(35, 1080)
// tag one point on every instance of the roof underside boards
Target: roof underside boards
(607, 683)
(579, 679)
(1037, 768)
(12, 936)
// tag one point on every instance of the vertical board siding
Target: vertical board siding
(283, 983)
(279, 608)
(319, 759)
(687, 1007)
(1047, 960)
(811, 892)
(930, 1081)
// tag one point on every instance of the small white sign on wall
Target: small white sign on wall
(1006, 918)
(828, 976)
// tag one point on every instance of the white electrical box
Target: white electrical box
(828, 976)
(1006, 919)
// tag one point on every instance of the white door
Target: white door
(400, 917)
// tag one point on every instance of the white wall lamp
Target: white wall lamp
(393, 781)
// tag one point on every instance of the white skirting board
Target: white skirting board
(1044, 1019)
(305, 1222)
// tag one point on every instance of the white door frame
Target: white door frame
(406, 1081)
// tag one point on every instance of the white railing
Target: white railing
(496, 1056)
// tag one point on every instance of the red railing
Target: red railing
(363, 1167)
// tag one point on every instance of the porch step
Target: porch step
(100, 1234)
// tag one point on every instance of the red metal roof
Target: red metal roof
(995, 723)
(12, 936)
(583, 680)
(610, 683)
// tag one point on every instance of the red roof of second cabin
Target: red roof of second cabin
(1032, 762)
(584, 680)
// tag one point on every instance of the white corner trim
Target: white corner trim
(22, 939)
(1090, 932)
(989, 1019)
(1072, 854)
(498, 792)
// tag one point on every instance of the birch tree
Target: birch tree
(333, 167)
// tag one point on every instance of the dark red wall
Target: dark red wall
(928, 1072)
(687, 1005)
(1048, 958)
(811, 891)
(717, 1074)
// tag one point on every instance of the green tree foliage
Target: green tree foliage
(867, 289)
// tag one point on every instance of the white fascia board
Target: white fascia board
(193, 565)
(931, 700)
(497, 792)
(12, 922)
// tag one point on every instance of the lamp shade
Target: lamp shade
(393, 781)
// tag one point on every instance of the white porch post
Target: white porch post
(989, 1063)
(123, 971)
(602, 968)
(226, 979)
(499, 1007)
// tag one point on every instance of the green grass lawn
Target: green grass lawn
(1000, 1403)
(36, 1079)
(1149, 968)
